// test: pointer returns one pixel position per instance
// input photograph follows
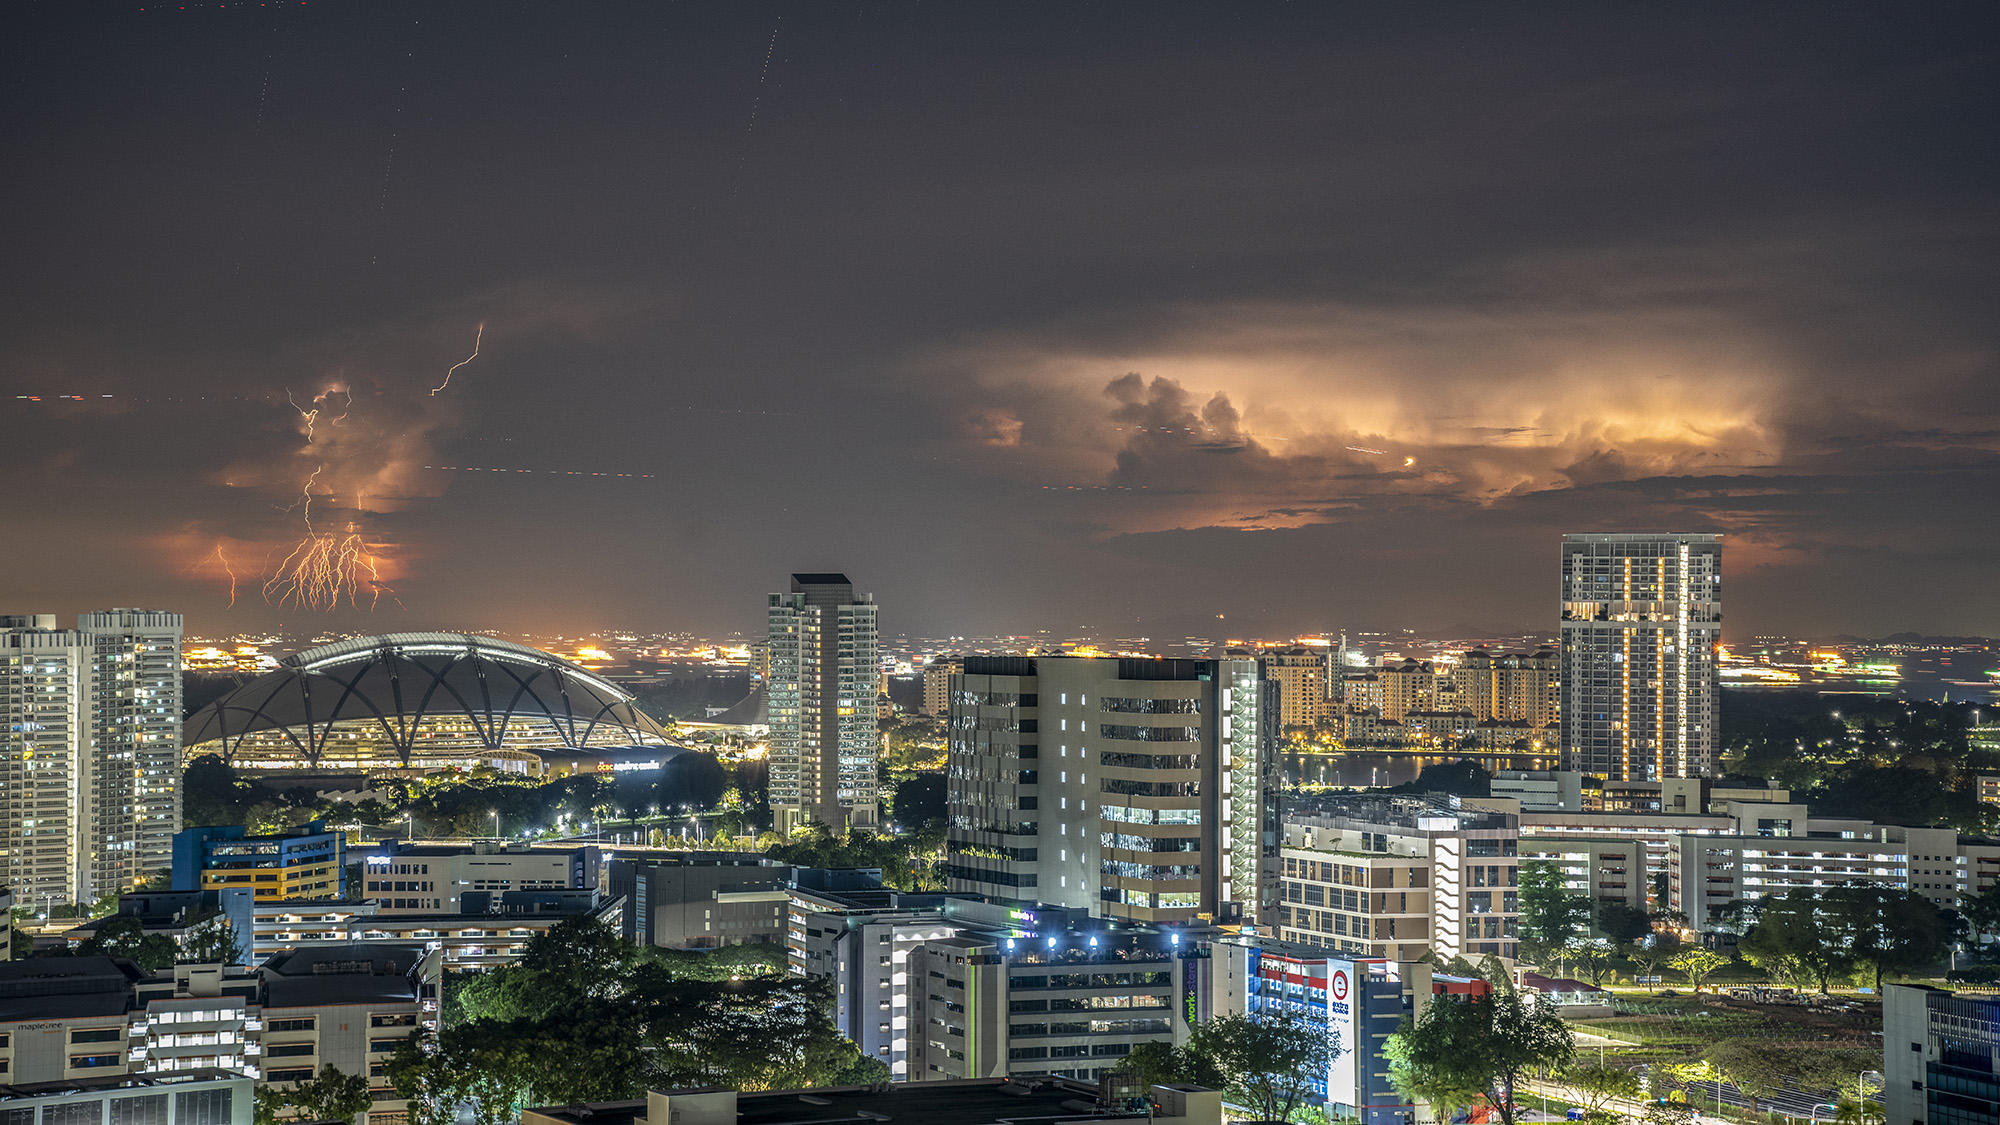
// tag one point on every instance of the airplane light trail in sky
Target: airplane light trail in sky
(461, 363)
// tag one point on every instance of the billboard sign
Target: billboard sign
(1341, 1032)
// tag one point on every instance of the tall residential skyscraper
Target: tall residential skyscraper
(822, 705)
(135, 791)
(1641, 616)
(1131, 788)
(89, 752)
(45, 685)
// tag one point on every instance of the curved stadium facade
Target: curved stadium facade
(419, 701)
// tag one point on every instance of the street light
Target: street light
(496, 824)
(1861, 1086)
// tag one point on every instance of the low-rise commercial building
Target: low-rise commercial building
(859, 941)
(987, 1101)
(308, 863)
(1776, 849)
(1358, 1002)
(1071, 1004)
(66, 1019)
(1394, 877)
(434, 876)
(1941, 1057)
(175, 914)
(701, 900)
(478, 940)
(191, 1098)
(1137, 789)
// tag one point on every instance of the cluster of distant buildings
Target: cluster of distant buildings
(1120, 862)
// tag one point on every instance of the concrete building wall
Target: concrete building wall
(1133, 789)
(1640, 618)
(823, 703)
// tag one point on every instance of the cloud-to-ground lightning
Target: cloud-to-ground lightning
(310, 416)
(230, 571)
(481, 335)
(325, 568)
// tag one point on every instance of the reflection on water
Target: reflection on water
(1359, 769)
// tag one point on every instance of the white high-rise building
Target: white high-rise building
(1641, 616)
(135, 778)
(45, 673)
(822, 691)
(89, 753)
(1131, 788)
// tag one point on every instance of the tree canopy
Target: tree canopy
(1461, 1048)
(586, 1016)
(122, 935)
(1552, 915)
(1264, 1064)
(330, 1095)
(1812, 935)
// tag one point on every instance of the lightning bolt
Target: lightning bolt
(230, 571)
(326, 568)
(461, 363)
(308, 415)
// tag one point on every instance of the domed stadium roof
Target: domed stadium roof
(415, 699)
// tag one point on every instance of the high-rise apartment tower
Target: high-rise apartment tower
(1641, 617)
(822, 705)
(1136, 789)
(89, 752)
(135, 793)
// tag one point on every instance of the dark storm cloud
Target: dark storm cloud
(1023, 316)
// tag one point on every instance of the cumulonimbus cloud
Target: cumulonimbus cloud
(1271, 414)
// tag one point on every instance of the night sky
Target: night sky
(1064, 316)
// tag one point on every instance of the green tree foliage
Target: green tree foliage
(1796, 939)
(1486, 1044)
(1621, 922)
(1551, 914)
(1595, 1088)
(1810, 935)
(1592, 958)
(1755, 1067)
(1848, 1111)
(911, 742)
(330, 1095)
(1696, 964)
(908, 862)
(215, 795)
(123, 935)
(1889, 930)
(918, 800)
(1668, 1113)
(585, 1016)
(1654, 952)
(1264, 1065)
(731, 962)
(1893, 761)
(211, 941)
(1463, 779)
(1982, 912)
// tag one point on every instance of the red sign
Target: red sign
(1338, 984)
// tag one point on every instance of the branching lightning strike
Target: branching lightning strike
(230, 571)
(461, 363)
(324, 569)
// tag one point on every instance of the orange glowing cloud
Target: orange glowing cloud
(1276, 415)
